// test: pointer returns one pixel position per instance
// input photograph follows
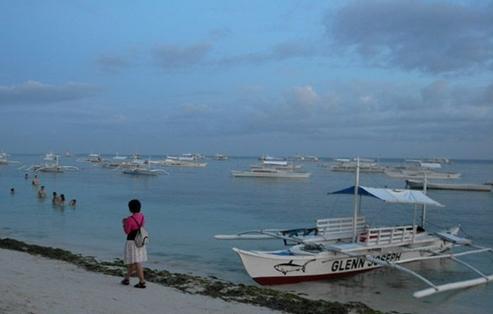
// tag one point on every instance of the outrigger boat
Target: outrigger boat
(185, 160)
(418, 170)
(273, 169)
(4, 159)
(349, 165)
(144, 172)
(342, 246)
(52, 164)
(142, 168)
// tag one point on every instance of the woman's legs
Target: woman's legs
(140, 271)
(130, 271)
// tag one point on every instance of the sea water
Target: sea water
(186, 208)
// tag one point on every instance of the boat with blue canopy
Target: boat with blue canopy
(342, 246)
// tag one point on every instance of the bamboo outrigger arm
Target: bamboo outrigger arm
(445, 287)
(433, 287)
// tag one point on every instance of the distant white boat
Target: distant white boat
(349, 165)
(4, 159)
(118, 157)
(270, 158)
(142, 168)
(420, 174)
(270, 173)
(220, 157)
(144, 171)
(185, 160)
(424, 164)
(440, 160)
(273, 169)
(419, 170)
(312, 158)
(94, 158)
(419, 184)
(306, 158)
(52, 164)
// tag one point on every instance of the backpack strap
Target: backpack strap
(139, 225)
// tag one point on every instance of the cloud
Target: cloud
(112, 64)
(219, 33)
(372, 111)
(174, 56)
(33, 92)
(305, 95)
(382, 110)
(429, 36)
(279, 52)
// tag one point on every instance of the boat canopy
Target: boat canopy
(392, 195)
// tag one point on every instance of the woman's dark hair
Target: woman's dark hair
(62, 197)
(134, 206)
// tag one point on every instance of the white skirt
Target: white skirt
(133, 254)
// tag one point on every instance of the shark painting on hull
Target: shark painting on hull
(285, 268)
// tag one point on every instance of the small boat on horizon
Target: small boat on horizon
(221, 157)
(420, 184)
(349, 165)
(420, 170)
(185, 160)
(4, 159)
(273, 169)
(52, 165)
(144, 171)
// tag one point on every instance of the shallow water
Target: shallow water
(186, 208)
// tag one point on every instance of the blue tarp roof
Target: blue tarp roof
(399, 196)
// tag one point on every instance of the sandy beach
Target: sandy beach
(34, 284)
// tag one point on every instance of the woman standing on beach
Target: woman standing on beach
(133, 255)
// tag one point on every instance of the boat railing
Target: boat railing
(339, 227)
(388, 235)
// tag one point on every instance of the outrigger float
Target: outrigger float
(342, 246)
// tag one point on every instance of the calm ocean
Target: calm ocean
(187, 207)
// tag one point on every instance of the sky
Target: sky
(329, 78)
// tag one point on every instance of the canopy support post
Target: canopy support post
(356, 207)
(414, 224)
(423, 212)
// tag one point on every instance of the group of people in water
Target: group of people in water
(57, 200)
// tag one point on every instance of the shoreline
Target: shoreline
(189, 285)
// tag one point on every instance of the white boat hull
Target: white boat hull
(140, 172)
(292, 175)
(273, 268)
(411, 174)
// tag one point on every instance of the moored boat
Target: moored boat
(273, 169)
(420, 174)
(419, 184)
(4, 159)
(144, 172)
(270, 173)
(349, 165)
(51, 165)
(221, 157)
(346, 247)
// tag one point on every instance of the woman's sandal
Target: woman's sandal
(141, 285)
(125, 282)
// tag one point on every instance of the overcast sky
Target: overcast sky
(331, 78)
